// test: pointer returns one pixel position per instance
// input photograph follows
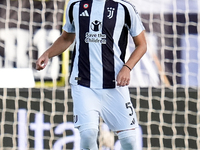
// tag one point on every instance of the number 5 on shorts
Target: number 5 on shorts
(129, 106)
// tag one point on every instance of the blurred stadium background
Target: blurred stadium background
(36, 107)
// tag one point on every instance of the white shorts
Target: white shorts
(113, 105)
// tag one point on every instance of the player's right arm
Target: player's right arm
(58, 47)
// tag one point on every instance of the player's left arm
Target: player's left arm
(140, 50)
(123, 78)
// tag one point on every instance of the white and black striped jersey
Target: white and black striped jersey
(101, 28)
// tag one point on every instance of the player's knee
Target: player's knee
(89, 139)
(128, 143)
(89, 134)
(127, 139)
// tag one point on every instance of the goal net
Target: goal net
(165, 84)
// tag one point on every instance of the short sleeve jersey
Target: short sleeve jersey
(101, 28)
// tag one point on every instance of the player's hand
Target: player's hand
(42, 62)
(123, 77)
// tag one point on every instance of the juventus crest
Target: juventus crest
(110, 12)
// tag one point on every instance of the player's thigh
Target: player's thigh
(118, 111)
(85, 106)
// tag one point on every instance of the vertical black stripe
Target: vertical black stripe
(84, 62)
(72, 58)
(124, 34)
(109, 21)
(123, 43)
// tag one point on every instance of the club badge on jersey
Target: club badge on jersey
(110, 12)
